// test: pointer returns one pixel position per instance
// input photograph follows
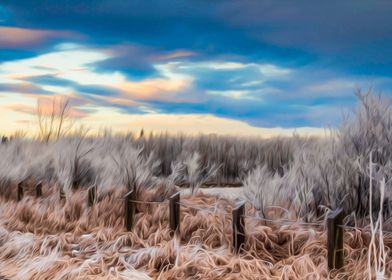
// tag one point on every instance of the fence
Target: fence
(333, 223)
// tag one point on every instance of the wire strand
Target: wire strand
(145, 202)
(361, 229)
(211, 210)
(286, 222)
(216, 210)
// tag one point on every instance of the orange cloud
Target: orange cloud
(117, 101)
(22, 87)
(21, 108)
(158, 89)
(15, 37)
(47, 105)
(176, 54)
(46, 108)
(75, 99)
(19, 76)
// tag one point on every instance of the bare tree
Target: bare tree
(54, 118)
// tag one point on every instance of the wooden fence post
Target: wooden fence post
(129, 211)
(20, 191)
(238, 226)
(92, 196)
(335, 239)
(38, 189)
(61, 194)
(174, 208)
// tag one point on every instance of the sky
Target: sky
(229, 67)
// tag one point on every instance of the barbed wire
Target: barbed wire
(285, 222)
(166, 201)
(349, 227)
(149, 202)
(216, 210)
(213, 210)
(144, 201)
(362, 229)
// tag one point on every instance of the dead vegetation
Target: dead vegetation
(43, 239)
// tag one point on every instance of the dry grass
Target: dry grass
(44, 239)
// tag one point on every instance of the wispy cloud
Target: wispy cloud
(24, 38)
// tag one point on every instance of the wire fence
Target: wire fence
(284, 222)
(149, 202)
(333, 223)
(212, 210)
(347, 227)
(217, 210)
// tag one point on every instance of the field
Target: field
(290, 185)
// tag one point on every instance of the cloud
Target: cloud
(137, 61)
(156, 89)
(330, 86)
(46, 106)
(54, 105)
(69, 64)
(14, 37)
(23, 87)
(175, 54)
(21, 108)
(236, 94)
(133, 60)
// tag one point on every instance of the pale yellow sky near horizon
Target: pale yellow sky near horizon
(119, 122)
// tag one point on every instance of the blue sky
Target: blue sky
(237, 65)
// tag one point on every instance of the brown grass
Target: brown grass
(44, 239)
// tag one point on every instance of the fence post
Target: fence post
(174, 208)
(335, 239)
(38, 189)
(61, 194)
(92, 195)
(129, 210)
(20, 191)
(238, 226)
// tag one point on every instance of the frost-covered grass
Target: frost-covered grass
(44, 239)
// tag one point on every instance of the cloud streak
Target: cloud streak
(24, 38)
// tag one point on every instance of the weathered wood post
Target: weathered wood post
(129, 210)
(238, 226)
(174, 207)
(38, 190)
(92, 196)
(20, 191)
(335, 239)
(61, 194)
